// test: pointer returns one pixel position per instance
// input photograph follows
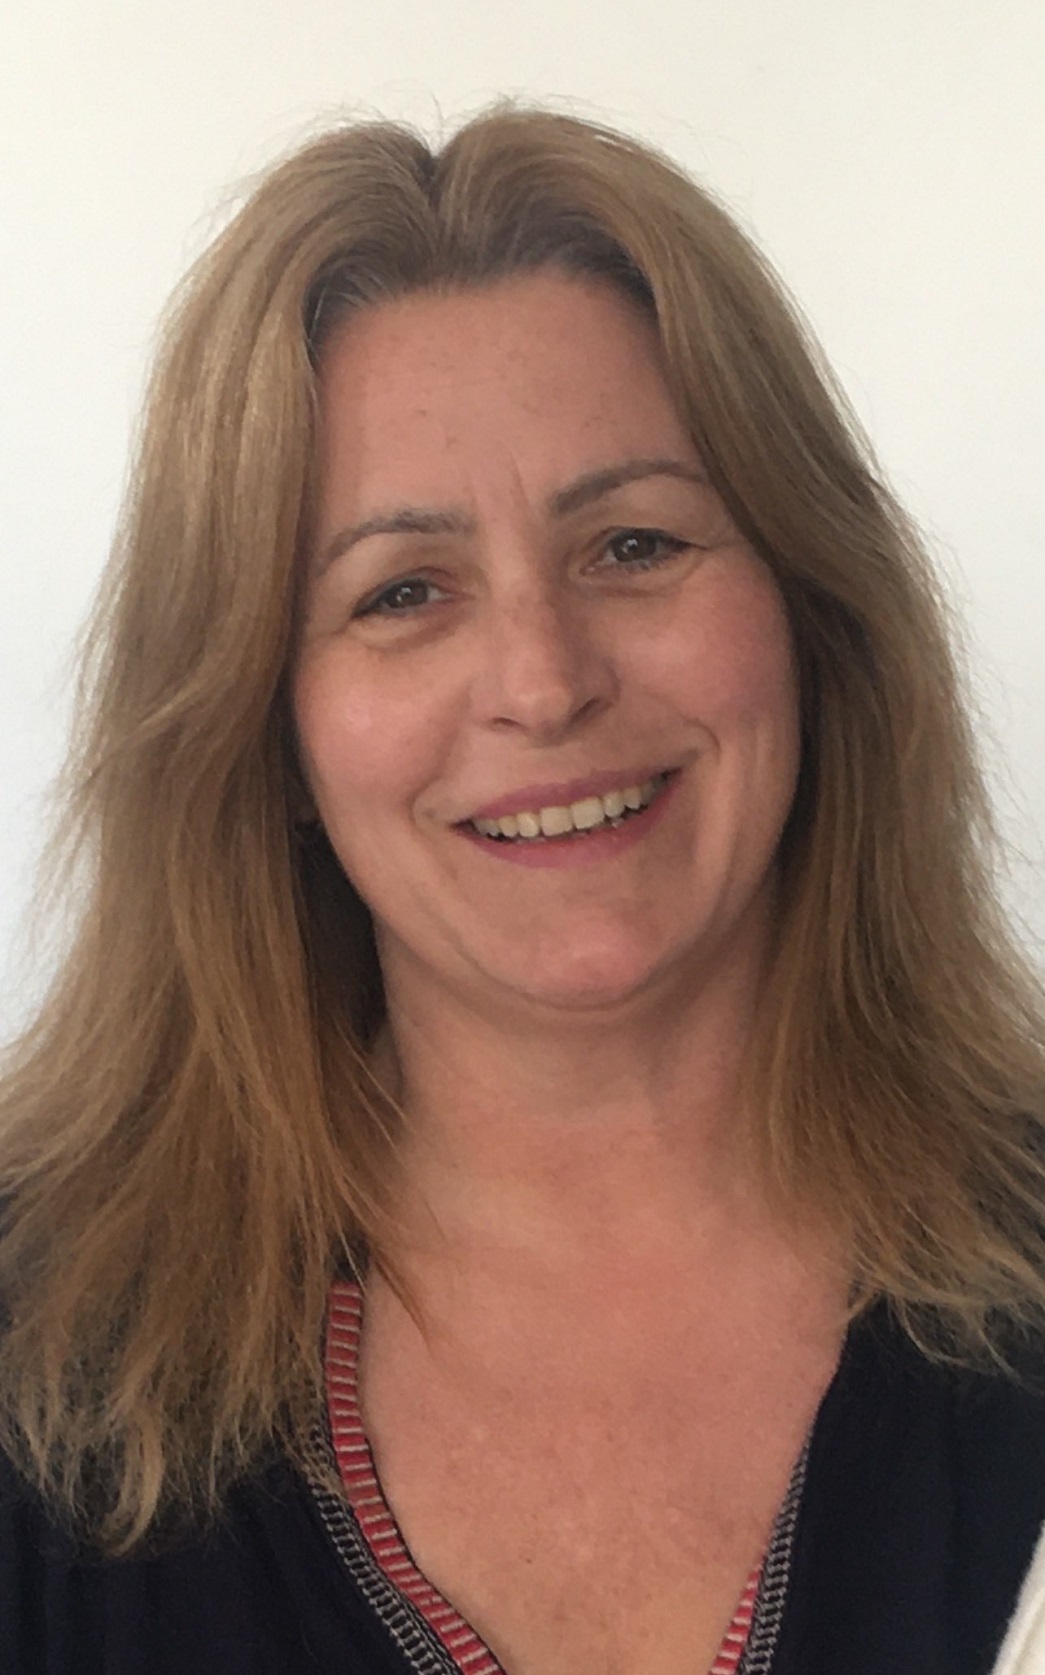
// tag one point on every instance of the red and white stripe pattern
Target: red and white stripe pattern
(727, 1660)
(373, 1515)
(380, 1530)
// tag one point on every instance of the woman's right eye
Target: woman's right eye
(399, 599)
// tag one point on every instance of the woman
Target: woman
(539, 946)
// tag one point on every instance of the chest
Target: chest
(588, 1513)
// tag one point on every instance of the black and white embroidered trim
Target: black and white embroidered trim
(424, 1651)
(419, 1645)
(768, 1613)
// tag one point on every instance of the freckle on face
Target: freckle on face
(534, 666)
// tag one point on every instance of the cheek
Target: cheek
(756, 679)
(369, 747)
(347, 740)
(730, 665)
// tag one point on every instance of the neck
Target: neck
(549, 1132)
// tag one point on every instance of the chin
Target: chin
(586, 980)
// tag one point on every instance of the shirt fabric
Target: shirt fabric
(902, 1550)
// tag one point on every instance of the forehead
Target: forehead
(534, 368)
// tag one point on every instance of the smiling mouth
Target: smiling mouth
(574, 820)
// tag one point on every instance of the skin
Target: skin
(534, 654)
(565, 1040)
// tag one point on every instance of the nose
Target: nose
(544, 670)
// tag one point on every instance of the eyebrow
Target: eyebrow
(584, 491)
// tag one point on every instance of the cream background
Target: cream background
(888, 154)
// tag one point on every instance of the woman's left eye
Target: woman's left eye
(400, 598)
(643, 549)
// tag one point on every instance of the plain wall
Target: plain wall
(888, 154)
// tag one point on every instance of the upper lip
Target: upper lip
(563, 792)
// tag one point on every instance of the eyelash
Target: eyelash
(379, 604)
(671, 546)
(373, 606)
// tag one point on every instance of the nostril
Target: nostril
(545, 680)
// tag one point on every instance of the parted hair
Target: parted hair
(192, 1136)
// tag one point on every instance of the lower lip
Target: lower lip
(582, 849)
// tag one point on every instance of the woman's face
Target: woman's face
(528, 611)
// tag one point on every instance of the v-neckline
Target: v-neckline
(384, 1540)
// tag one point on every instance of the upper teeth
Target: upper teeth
(572, 817)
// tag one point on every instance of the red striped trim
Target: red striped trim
(727, 1659)
(373, 1515)
(381, 1532)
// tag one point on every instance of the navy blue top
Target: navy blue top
(921, 1503)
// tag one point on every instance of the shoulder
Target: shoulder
(258, 1592)
(37, 1563)
(923, 1505)
(980, 1429)
(968, 1443)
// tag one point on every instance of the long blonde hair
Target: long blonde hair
(192, 1137)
